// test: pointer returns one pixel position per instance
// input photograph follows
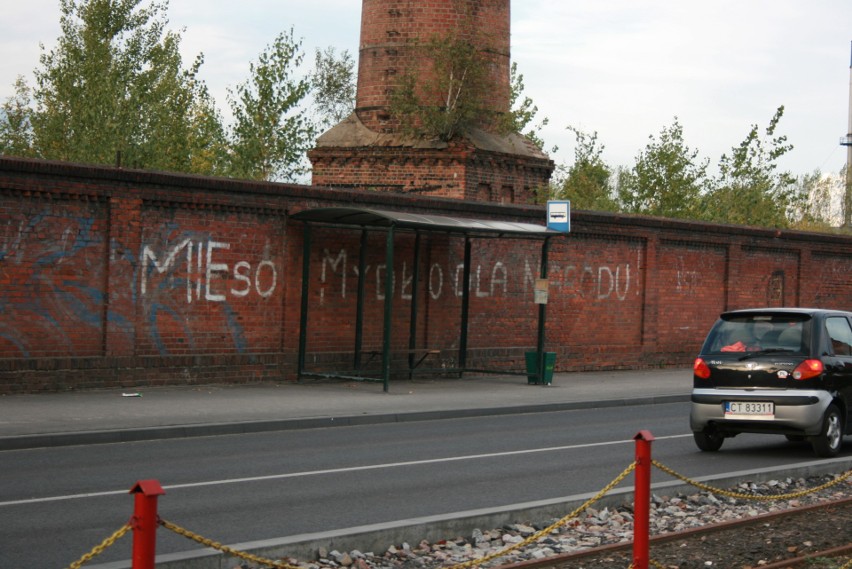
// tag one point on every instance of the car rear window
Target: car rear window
(781, 333)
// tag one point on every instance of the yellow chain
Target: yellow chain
(730, 494)
(224, 548)
(540, 534)
(98, 549)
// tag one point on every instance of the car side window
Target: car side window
(840, 334)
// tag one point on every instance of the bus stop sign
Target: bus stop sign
(559, 216)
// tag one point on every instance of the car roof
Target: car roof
(784, 310)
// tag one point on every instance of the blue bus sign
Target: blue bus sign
(559, 216)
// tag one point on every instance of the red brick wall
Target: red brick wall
(597, 286)
(118, 278)
(52, 274)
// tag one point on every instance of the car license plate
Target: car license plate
(750, 409)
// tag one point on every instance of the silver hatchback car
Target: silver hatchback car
(785, 371)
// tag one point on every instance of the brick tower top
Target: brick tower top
(369, 149)
(390, 30)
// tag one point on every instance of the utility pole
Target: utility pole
(847, 142)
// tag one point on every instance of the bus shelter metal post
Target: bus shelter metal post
(359, 310)
(542, 316)
(303, 318)
(465, 306)
(412, 323)
(388, 320)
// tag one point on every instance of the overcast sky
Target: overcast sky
(623, 68)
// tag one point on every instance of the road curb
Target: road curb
(22, 442)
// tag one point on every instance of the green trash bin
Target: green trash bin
(532, 368)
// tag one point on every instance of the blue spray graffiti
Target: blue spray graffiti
(43, 296)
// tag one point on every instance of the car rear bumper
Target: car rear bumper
(796, 411)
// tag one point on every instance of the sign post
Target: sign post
(558, 219)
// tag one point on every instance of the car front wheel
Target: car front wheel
(708, 440)
(828, 442)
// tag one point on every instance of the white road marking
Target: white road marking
(330, 471)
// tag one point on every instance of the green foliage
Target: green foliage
(115, 83)
(115, 86)
(813, 210)
(270, 135)
(667, 179)
(451, 98)
(523, 111)
(333, 86)
(587, 181)
(750, 190)
(208, 144)
(16, 137)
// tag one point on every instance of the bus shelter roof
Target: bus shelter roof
(367, 217)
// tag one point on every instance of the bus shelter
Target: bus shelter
(393, 222)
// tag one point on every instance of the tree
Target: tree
(815, 207)
(451, 99)
(271, 135)
(209, 148)
(523, 111)
(16, 134)
(587, 182)
(115, 83)
(750, 190)
(666, 180)
(333, 86)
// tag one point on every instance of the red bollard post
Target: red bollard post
(144, 522)
(642, 500)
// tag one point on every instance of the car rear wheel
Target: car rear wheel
(708, 440)
(828, 442)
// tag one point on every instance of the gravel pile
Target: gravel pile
(592, 528)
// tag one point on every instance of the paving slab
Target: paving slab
(111, 415)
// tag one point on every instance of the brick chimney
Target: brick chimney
(369, 150)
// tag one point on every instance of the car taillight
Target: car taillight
(700, 369)
(808, 369)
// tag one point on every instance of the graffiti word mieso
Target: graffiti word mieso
(205, 276)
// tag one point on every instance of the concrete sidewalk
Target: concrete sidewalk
(87, 417)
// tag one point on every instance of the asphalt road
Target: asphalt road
(56, 503)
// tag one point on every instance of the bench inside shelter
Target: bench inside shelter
(413, 362)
